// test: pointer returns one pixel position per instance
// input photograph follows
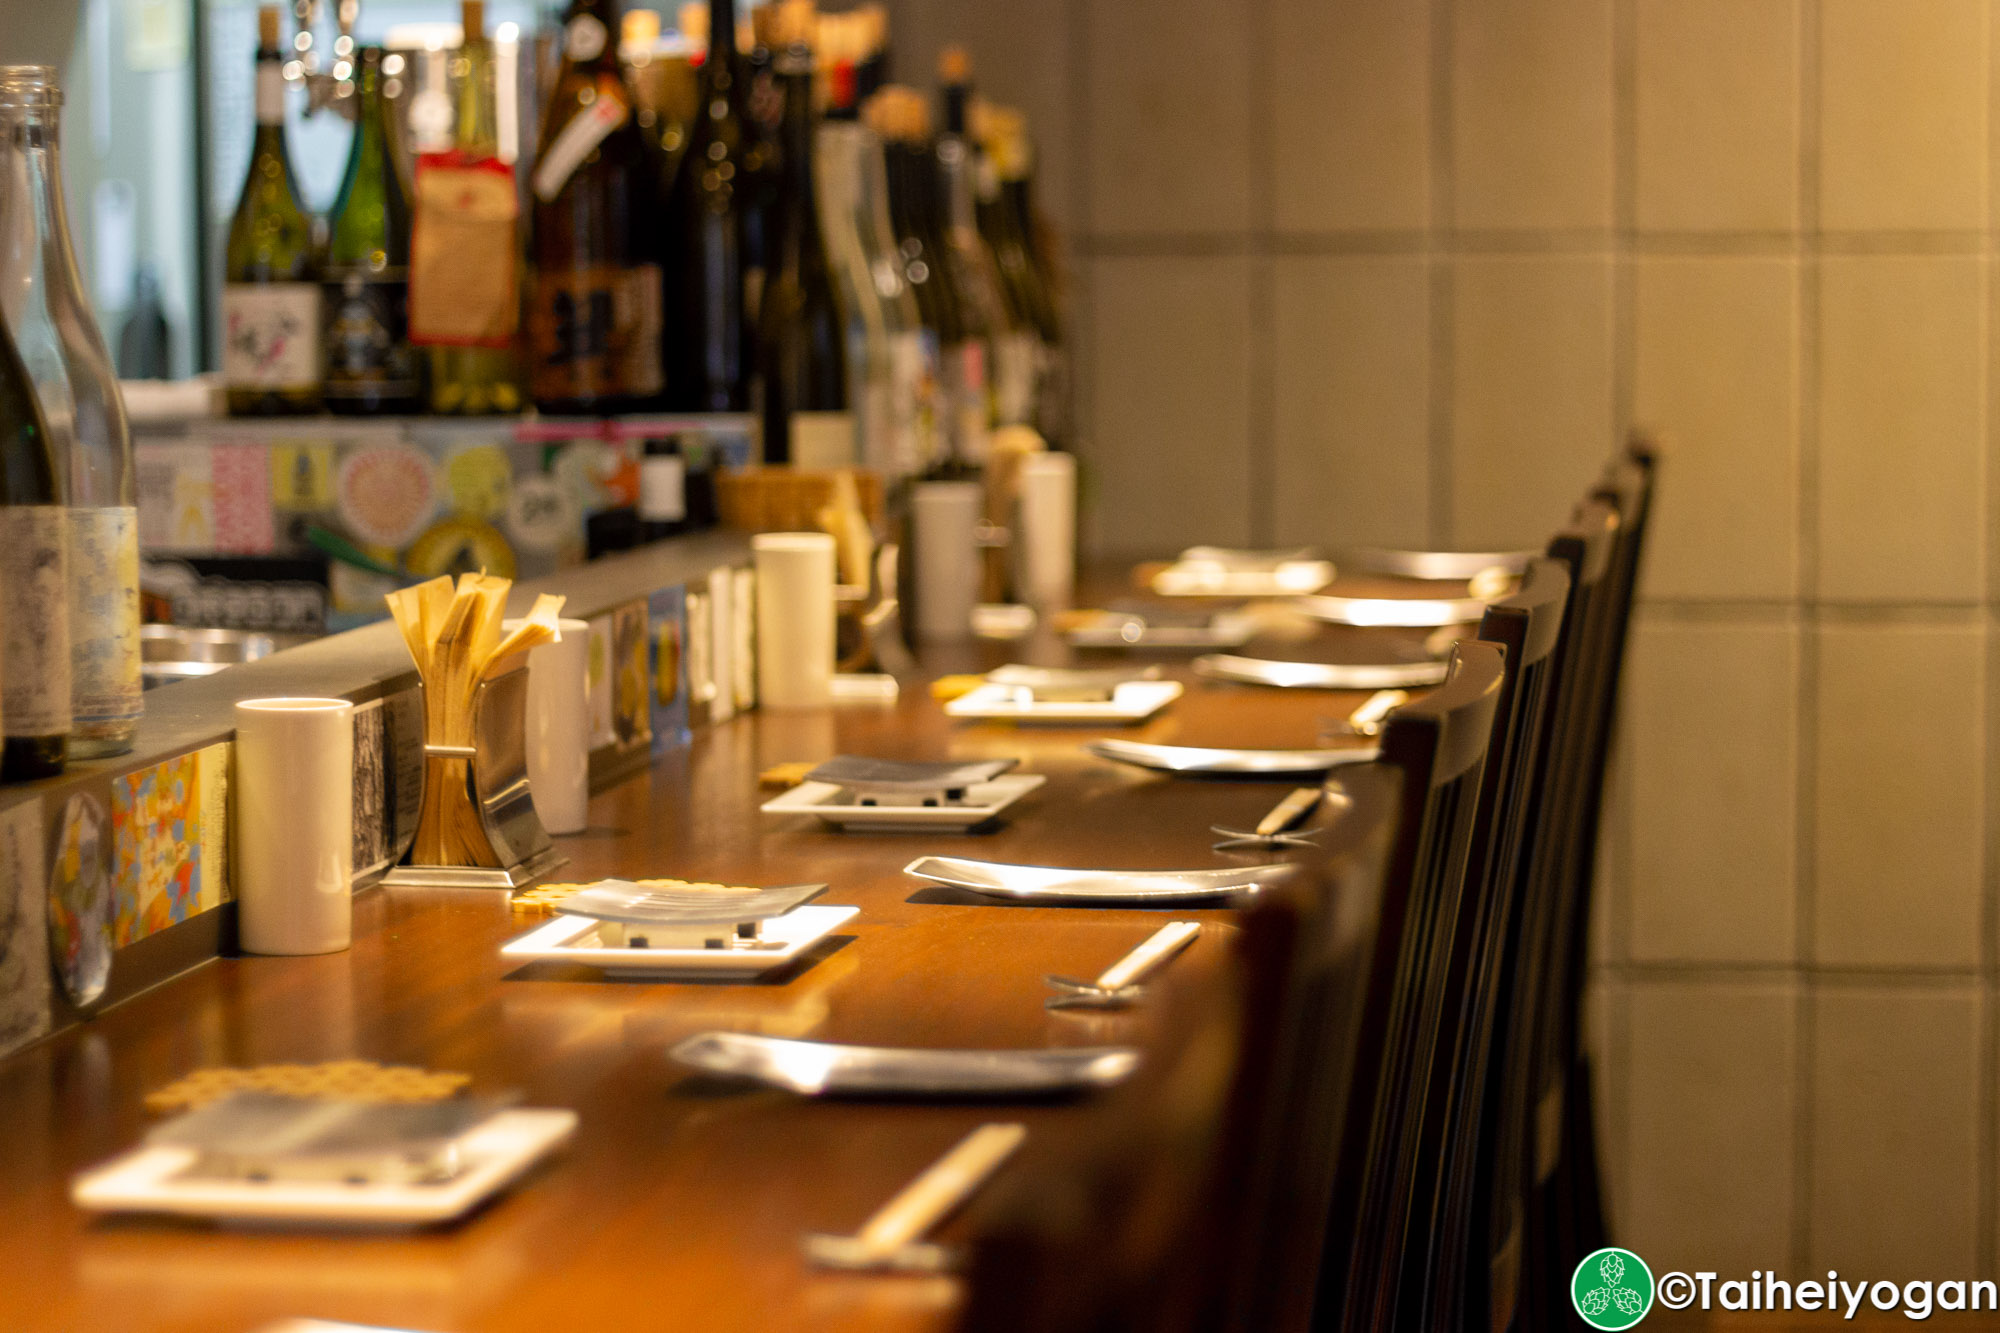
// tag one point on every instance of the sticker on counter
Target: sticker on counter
(24, 937)
(479, 480)
(82, 915)
(243, 518)
(386, 493)
(302, 477)
(666, 613)
(597, 683)
(176, 497)
(631, 714)
(167, 856)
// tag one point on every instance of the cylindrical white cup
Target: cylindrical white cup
(1046, 536)
(558, 731)
(295, 825)
(944, 519)
(795, 614)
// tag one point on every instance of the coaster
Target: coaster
(336, 1080)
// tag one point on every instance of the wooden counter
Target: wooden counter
(680, 1202)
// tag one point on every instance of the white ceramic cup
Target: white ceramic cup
(1046, 539)
(795, 619)
(295, 825)
(944, 522)
(558, 727)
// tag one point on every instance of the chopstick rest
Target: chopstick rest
(1118, 986)
(892, 1240)
(1273, 829)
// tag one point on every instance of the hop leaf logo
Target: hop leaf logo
(1612, 1289)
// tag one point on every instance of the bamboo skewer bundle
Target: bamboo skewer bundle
(454, 637)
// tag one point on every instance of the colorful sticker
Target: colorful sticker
(597, 683)
(371, 789)
(302, 477)
(24, 947)
(168, 849)
(631, 713)
(176, 497)
(479, 480)
(460, 546)
(244, 521)
(81, 911)
(666, 611)
(386, 493)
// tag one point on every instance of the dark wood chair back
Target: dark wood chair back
(1440, 745)
(1182, 1206)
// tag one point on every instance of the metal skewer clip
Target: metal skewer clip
(1119, 985)
(1272, 829)
(892, 1240)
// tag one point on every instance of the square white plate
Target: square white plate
(572, 939)
(148, 1180)
(983, 801)
(1133, 701)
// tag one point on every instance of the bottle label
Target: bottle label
(578, 139)
(1015, 357)
(596, 333)
(368, 352)
(34, 620)
(104, 618)
(270, 335)
(971, 401)
(464, 264)
(270, 92)
(662, 488)
(822, 441)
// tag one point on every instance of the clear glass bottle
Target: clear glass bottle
(77, 388)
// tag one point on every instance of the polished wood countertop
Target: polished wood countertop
(680, 1202)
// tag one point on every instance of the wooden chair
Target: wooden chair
(1200, 1191)
(1491, 1290)
(1380, 1215)
(1441, 1279)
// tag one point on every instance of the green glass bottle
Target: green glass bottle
(365, 284)
(34, 583)
(465, 289)
(270, 284)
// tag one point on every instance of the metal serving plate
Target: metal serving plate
(829, 1069)
(1397, 612)
(1261, 763)
(638, 904)
(1132, 629)
(1057, 885)
(1435, 566)
(978, 804)
(1321, 675)
(863, 776)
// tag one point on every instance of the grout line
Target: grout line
(1081, 274)
(1567, 242)
(1705, 971)
(1261, 400)
(1805, 814)
(1443, 205)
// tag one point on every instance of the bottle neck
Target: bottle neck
(477, 132)
(722, 61)
(270, 89)
(590, 35)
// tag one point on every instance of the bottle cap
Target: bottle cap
(472, 17)
(267, 27)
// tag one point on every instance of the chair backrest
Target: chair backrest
(1182, 1200)
(1440, 744)
(1524, 989)
(1441, 1277)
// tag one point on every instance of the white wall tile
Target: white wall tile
(1169, 423)
(1531, 397)
(1895, 1115)
(1351, 126)
(1712, 723)
(1716, 93)
(1531, 113)
(1716, 356)
(1900, 794)
(1353, 400)
(1902, 450)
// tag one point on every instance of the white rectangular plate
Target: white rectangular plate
(1058, 884)
(983, 801)
(1134, 701)
(147, 1180)
(571, 939)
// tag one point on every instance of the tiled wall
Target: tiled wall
(1400, 271)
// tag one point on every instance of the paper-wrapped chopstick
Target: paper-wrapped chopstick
(454, 637)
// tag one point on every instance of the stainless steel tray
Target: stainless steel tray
(1320, 675)
(1196, 759)
(1057, 885)
(830, 1069)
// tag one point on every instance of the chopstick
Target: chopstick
(1152, 952)
(944, 1185)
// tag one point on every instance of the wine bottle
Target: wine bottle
(1006, 150)
(464, 246)
(270, 285)
(707, 350)
(145, 344)
(1010, 374)
(34, 585)
(663, 494)
(594, 317)
(801, 333)
(370, 365)
(76, 387)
